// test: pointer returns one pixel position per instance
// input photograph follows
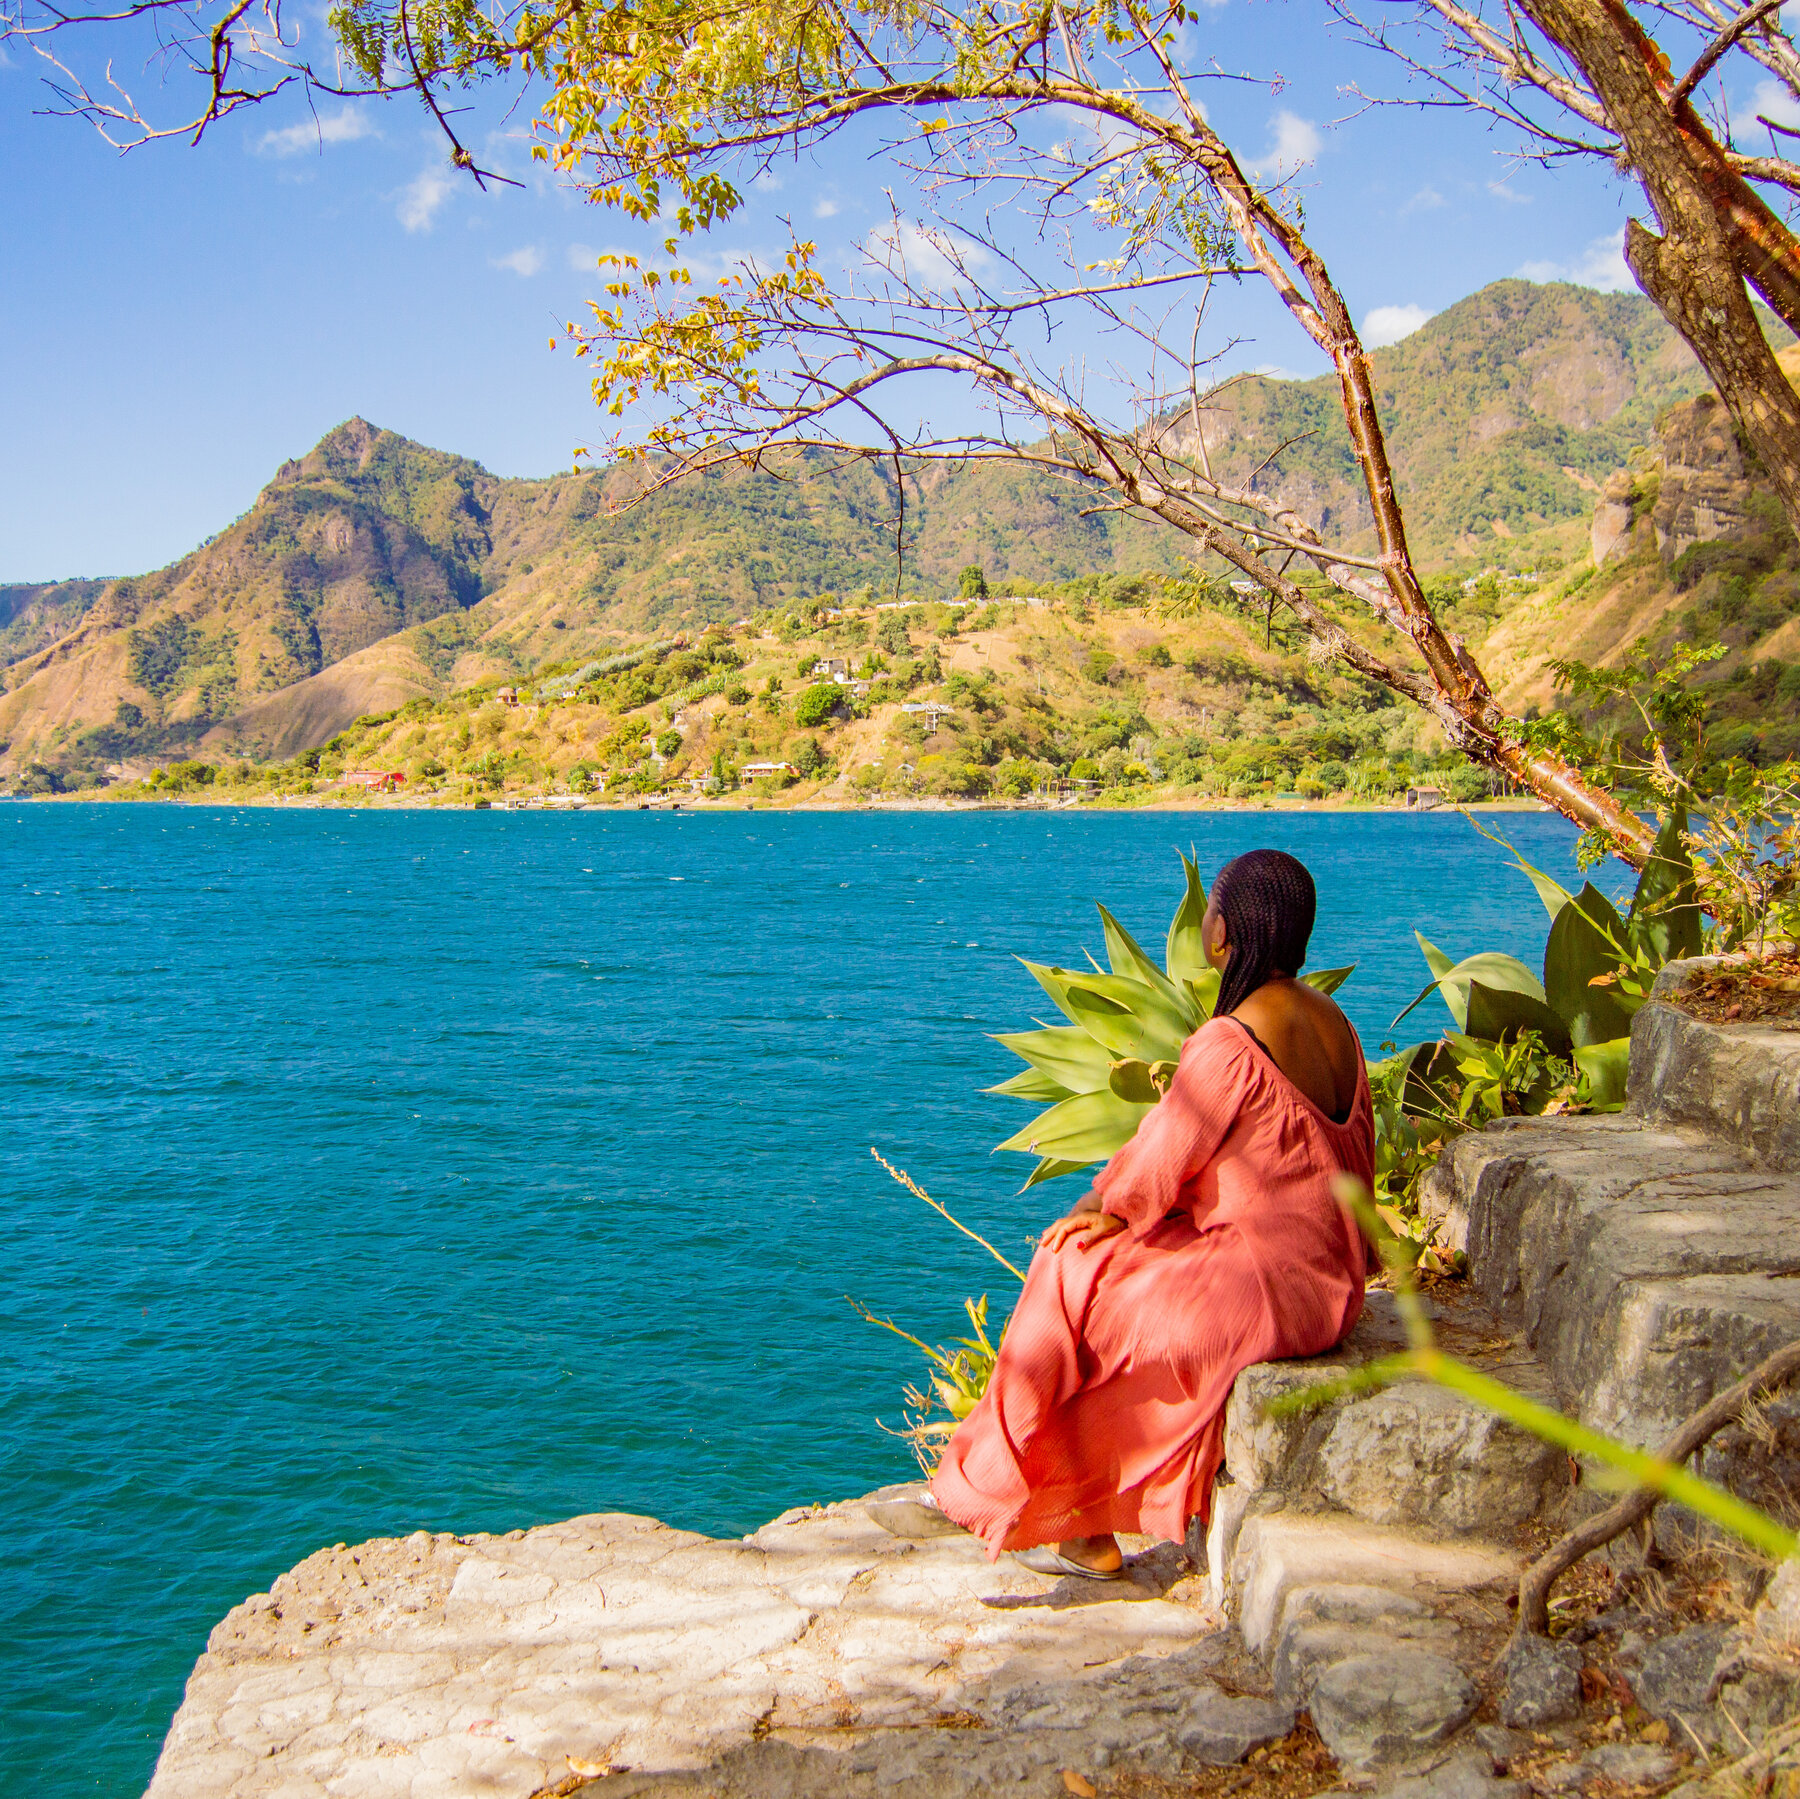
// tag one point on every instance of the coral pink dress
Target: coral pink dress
(1106, 1410)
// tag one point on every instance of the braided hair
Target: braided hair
(1268, 902)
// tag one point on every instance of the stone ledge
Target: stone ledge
(1739, 1083)
(439, 1665)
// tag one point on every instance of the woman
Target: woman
(1212, 1240)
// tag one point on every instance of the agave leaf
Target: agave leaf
(1587, 939)
(1185, 958)
(1606, 1066)
(1498, 1012)
(1049, 1168)
(1086, 1128)
(1329, 980)
(1128, 1017)
(1665, 920)
(1032, 1083)
(1203, 989)
(1064, 1052)
(1550, 890)
(1131, 1079)
(1128, 959)
(1054, 982)
(1435, 959)
(1498, 972)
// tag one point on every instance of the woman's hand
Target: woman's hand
(1088, 1227)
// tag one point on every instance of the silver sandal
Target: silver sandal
(912, 1512)
(1046, 1560)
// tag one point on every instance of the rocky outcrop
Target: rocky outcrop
(1610, 534)
(1705, 483)
(1356, 1566)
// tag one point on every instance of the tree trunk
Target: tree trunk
(1695, 270)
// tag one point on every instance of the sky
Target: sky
(177, 321)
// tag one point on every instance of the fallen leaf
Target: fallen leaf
(1656, 1732)
(1079, 1784)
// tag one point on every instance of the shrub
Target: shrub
(1084, 768)
(817, 703)
(1157, 656)
(668, 742)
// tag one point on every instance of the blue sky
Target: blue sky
(175, 322)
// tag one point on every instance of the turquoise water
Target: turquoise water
(375, 1170)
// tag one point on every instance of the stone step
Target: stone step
(1413, 1456)
(1736, 1082)
(1647, 1268)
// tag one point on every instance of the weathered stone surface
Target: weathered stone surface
(1739, 1082)
(1540, 1683)
(1647, 1267)
(1610, 533)
(1279, 1552)
(1376, 1710)
(1631, 1764)
(1422, 1455)
(1413, 1454)
(1675, 1681)
(1701, 495)
(436, 1665)
(1306, 1648)
(1219, 1729)
(1461, 1776)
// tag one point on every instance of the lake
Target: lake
(374, 1170)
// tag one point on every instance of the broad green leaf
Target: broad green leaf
(1665, 921)
(1551, 891)
(1049, 1168)
(1329, 980)
(1064, 1052)
(1185, 958)
(1204, 990)
(1128, 959)
(1087, 1128)
(1606, 1066)
(1435, 959)
(1054, 982)
(1128, 1017)
(1495, 1013)
(1032, 1083)
(1586, 940)
(1496, 971)
(1144, 1083)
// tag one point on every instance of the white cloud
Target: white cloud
(1427, 199)
(1773, 101)
(1501, 191)
(421, 199)
(524, 263)
(928, 259)
(1600, 265)
(344, 126)
(825, 209)
(1384, 325)
(1293, 143)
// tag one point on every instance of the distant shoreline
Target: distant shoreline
(365, 803)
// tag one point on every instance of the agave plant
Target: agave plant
(1598, 970)
(1117, 1054)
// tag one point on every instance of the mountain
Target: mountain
(373, 570)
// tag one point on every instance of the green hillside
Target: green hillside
(373, 570)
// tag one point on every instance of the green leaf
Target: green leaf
(1606, 1066)
(1049, 1168)
(1665, 920)
(1136, 1081)
(1129, 960)
(1495, 1013)
(1087, 1128)
(1552, 892)
(1128, 1017)
(1329, 980)
(1499, 972)
(1204, 990)
(1185, 958)
(1587, 939)
(1032, 1083)
(1064, 1052)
